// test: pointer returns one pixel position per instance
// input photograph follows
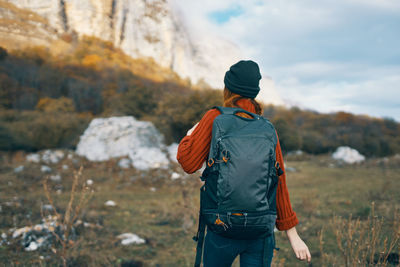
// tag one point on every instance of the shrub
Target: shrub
(62, 104)
(178, 113)
(33, 130)
(3, 53)
(363, 242)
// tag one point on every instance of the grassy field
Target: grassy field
(164, 211)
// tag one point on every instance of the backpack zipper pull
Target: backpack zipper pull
(219, 222)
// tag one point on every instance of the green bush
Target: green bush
(34, 130)
(177, 113)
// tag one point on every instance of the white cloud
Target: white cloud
(325, 55)
(375, 97)
(268, 92)
(391, 5)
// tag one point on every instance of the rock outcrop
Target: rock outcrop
(141, 28)
(107, 138)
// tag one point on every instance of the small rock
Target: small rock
(4, 235)
(89, 182)
(54, 157)
(58, 191)
(33, 158)
(295, 153)
(110, 203)
(19, 169)
(32, 246)
(45, 169)
(175, 176)
(70, 156)
(129, 238)
(290, 169)
(153, 189)
(55, 178)
(47, 207)
(125, 163)
(38, 227)
(65, 167)
(21, 231)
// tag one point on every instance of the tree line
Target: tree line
(47, 100)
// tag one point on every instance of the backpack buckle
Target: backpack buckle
(279, 171)
(210, 162)
(225, 156)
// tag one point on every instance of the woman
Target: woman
(241, 87)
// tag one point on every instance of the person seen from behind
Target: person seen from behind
(241, 87)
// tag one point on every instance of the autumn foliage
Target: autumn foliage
(47, 98)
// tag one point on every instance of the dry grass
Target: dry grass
(164, 212)
(363, 243)
(78, 200)
(23, 14)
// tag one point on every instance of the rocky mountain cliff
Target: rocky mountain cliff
(141, 28)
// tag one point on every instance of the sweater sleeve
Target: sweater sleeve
(286, 217)
(193, 149)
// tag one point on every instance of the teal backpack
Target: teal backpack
(238, 199)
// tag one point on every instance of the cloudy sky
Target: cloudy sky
(323, 55)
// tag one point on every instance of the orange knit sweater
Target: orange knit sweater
(193, 152)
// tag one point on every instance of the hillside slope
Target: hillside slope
(140, 28)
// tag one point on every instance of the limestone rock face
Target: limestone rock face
(19, 25)
(141, 28)
(107, 138)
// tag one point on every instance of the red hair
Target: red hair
(231, 99)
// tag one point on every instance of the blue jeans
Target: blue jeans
(221, 251)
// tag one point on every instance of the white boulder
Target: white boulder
(348, 155)
(107, 138)
(173, 151)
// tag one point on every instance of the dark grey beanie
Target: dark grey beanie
(243, 78)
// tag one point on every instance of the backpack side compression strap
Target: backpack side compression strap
(199, 238)
(200, 241)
